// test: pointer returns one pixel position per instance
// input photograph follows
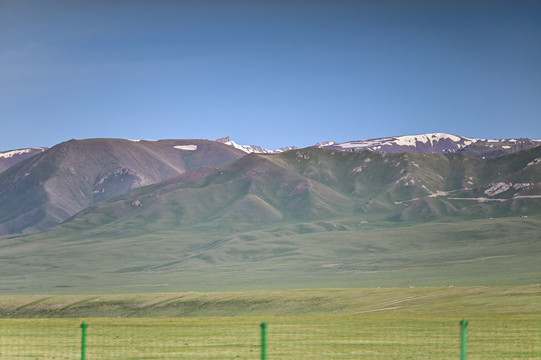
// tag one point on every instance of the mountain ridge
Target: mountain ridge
(55, 184)
(319, 184)
(438, 143)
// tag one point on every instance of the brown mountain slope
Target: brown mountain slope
(49, 188)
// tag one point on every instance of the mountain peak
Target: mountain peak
(249, 149)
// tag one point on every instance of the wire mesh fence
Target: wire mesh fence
(283, 338)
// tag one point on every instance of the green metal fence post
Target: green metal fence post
(83, 341)
(263, 341)
(464, 333)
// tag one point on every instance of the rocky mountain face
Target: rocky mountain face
(55, 184)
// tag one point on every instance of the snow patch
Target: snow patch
(186, 147)
(9, 154)
(325, 143)
(412, 140)
(249, 149)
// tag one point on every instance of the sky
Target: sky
(270, 73)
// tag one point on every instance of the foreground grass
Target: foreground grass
(400, 323)
(374, 336)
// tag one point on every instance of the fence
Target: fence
(280, 338)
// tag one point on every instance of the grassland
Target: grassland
(324, 254)
(504, 323)
(440, 302)
(373, 337)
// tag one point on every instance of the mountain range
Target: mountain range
(425, 143)
(438, 143)
(317, 184)
(43, 187)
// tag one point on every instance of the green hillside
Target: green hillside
(319, 185)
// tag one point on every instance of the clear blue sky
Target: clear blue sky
(272, 73)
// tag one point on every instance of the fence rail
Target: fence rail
(281, 338)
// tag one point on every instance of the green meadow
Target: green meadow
(342, 253)
(401, 323)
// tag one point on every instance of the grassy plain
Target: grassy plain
(370, 337)
(419, 323)
(343, 253)
(440, 302)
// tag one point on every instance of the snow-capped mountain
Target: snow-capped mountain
(424, 143)
(249, 149)
(58, 182)
(436, 143)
